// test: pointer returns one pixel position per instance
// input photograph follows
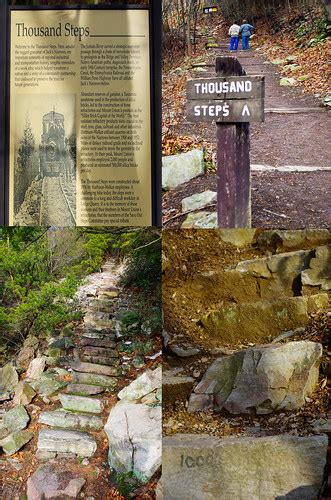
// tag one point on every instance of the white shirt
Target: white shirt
(234, 30)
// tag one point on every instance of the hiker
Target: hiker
(234, 34)
(246, 31)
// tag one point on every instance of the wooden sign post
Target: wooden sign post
(232, 100)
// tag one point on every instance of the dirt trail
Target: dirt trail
(297, 199)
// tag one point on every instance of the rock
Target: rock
(274, 467)
(153, 398)
(278, 241)
(181, 168)
(199, 200)
(234, 322)
(64, 441)
(146, 383)
(285, 263)
(100, 351)
(98, 342)
(191, 219)
(68, 420)
(175, 387)
(94, 379)
(79, 366)
(47, 385)
(200, 402)
(100, 360)
(8, 378)
(322, 426)
(98, 321)
(53, 353)
(15, 441)
(24, 393)
(46, 483)
(290, 333)
(45, 455)
(110, 294)
(278, 275)
(68, 330)
(138, 362)
(31, 341)
(208, 222)
(149, 328)
(318, 276)
(61, 372)
(184, 351)
(135, 440)
(239, 238)
(24, 357)
(14, 420)
(36, 368)
(81, 403)
(262, 379)
(101, 305)
(287, 82)
(62, 343)
(84, 389)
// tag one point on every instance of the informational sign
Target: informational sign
(226, 99)
(210, 10)
(82, 117)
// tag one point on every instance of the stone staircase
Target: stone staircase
(95, 367)
(281, 291)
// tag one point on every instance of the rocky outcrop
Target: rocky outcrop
(203, 467)
(260, 379)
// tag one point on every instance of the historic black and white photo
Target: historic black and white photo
(45, 160)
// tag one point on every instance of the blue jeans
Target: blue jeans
(234, 42)
(245, 42)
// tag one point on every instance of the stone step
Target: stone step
(79, 366)
(100, 360)
(84, 389)
(109, 309)
(100, 351)
(66, 441)
(109, 294)
(263, 319)
(101, 305)
(98, 323)
(97, 334)
(81, 403)
(69, 420)
(94, 379)
(98, 342)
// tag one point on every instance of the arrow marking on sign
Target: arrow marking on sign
(245, 111)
